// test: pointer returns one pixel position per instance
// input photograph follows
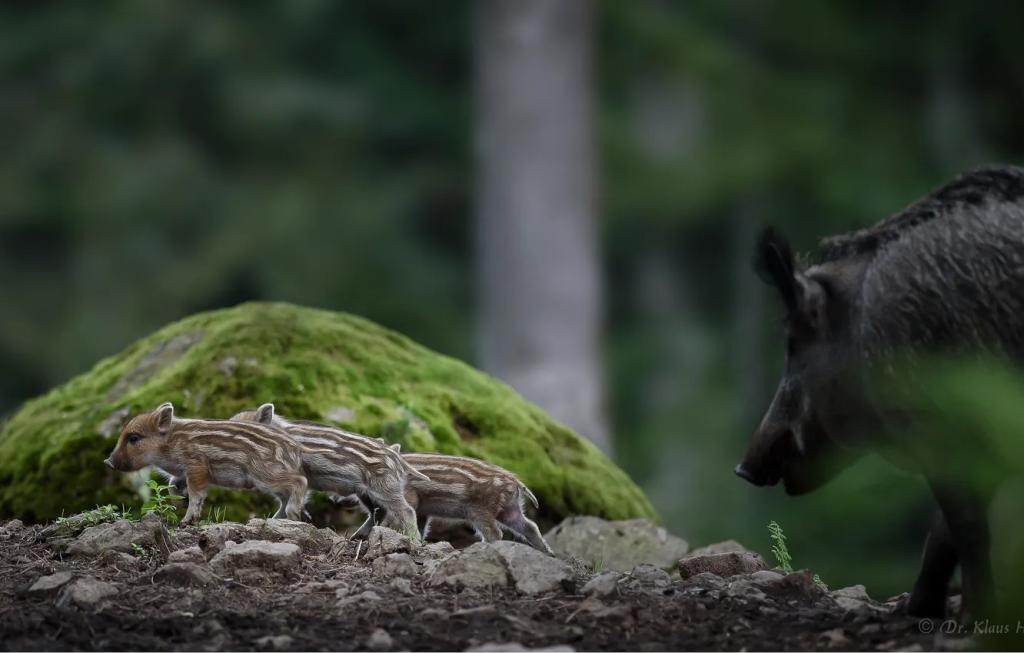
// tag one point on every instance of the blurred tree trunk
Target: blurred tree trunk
(537, 243)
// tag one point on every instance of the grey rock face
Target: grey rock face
(616, 545)
(272, 556)
(477, 567)
(533, 572)
(120, 536)
(721, 564)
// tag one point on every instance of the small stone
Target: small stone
(501, 647)
(396, 564)
(272, 556)
(379, 640)
(728, 546)
(191, 554)
(435, 551)
(86, 593)
(302, 534)
(120, 560)
(649, 577)
(121, 535)
(401, 586)
(51, 583)
(13, 526)
(184, 574)
(603, 585)
(383, 541)
(274, 642)
(534, 572)
(721, 564)
(835, 638)
(476, 567)
(616, 545)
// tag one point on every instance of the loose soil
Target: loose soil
(237, 613)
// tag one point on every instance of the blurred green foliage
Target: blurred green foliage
(165, 157)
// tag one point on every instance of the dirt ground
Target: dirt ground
(331, 601)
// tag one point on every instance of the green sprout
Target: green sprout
(160, 501)
(781, 551)
(98, 515)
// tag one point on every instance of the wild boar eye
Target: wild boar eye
(134, 438)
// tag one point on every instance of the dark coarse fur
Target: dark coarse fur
(943, 276)
(947, 273)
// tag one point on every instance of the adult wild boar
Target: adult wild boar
(946, 276)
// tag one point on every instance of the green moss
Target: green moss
(312, 364)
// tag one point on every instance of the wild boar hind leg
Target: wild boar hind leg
(928, 598)
(197, 476)
(966, 513)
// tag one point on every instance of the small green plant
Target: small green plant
(98, 515)
(781, 551)
(160, 501)
(141, 551)
(216, 515)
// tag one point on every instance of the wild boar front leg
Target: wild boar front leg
(374, 514)
(928, 598)
(296, 491)
(197, 476)
(966, 513)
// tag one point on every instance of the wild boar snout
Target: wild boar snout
(108, 462)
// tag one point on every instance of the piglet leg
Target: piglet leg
(198, 478)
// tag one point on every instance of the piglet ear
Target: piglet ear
(265, 414)
(396, 447)
(164, 415)
(774, 264)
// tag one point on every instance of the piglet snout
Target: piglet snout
(109, 463)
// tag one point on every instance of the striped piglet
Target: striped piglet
(207, 452)
(344, 463)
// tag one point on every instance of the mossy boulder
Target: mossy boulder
(312, 364)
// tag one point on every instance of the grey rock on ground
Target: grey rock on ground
(722, 564)
(50, 584)
(383, 541)
(273, 556)
(87, 593)
(855, 597)
(616, 545)
(189, 554)
(727, 546)
(602, 585)
(645, 576)
(534, 572)
(379, 640)
(501, 647)
(396, 564)
(120, 535)
(274, 642)
(184, 574)
(304, 534)
(479, 566)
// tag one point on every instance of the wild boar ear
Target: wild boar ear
(164, 415)
(774, 265)
(396, 447)
(265, 414)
